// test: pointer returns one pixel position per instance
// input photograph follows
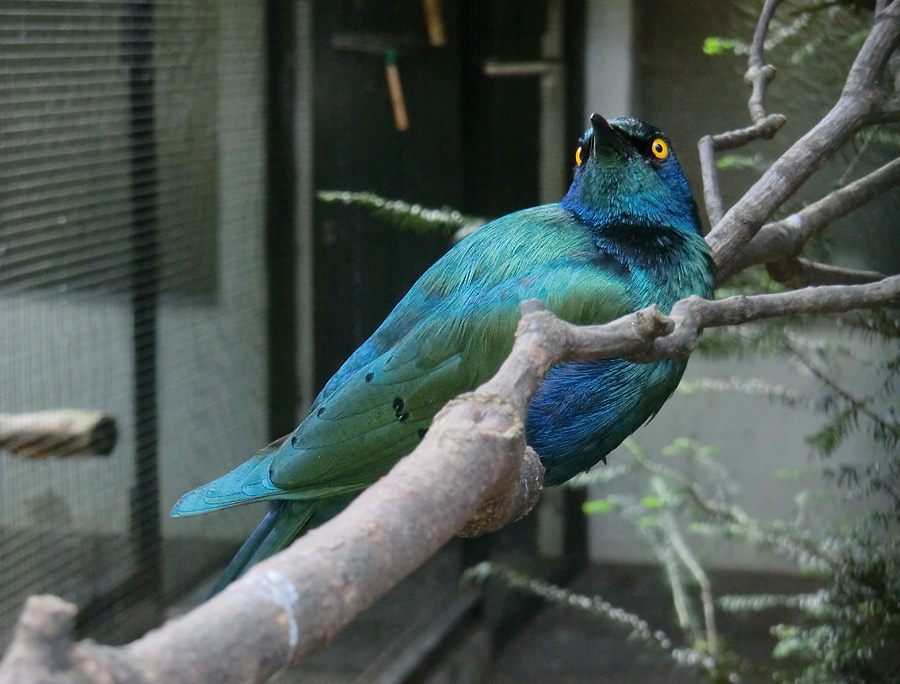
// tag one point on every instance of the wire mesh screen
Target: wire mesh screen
(131, 290)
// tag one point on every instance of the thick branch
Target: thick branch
(517, 495)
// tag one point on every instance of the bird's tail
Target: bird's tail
(283, 523)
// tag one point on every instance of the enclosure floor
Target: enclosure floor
(559, 645)
(564, 646)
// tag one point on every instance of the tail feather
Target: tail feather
(250, 481)
(280, 526)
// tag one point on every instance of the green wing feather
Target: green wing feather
(450, 333)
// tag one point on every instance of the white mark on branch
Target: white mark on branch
(278, 589)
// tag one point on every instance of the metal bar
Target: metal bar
(281, 216)
(137, 48)
(553, 181)
(303, 191)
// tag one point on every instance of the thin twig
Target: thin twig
(710, 144)
(595, 605)
(765, 128)
(692, 314)
(775, 536)
(857, 158)
(706, 594)
(758, 76)
(680, 600)
(863, 405)
(712, 193)
(759, 73)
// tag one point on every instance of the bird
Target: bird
(626, 235)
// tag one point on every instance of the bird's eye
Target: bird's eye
(578, 160)
(660, 149)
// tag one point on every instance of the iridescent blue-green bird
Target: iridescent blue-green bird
(626, 235)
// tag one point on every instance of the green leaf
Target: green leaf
(753, 162)
(709, 451)
(652, 502)
(678, 446)
(597, 506)
(714, 45)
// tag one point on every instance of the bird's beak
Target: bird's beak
(605, 136)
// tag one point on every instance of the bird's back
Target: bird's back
(625, 236)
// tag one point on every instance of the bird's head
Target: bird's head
(626, 172)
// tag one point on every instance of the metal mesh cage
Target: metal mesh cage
(131, 285)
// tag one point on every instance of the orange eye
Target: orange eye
(659, 148)
(578, 156)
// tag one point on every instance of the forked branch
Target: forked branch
(860, 104)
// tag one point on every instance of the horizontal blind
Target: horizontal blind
(67, 133)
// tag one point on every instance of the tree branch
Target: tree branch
(787, 237)
(760, 73)
(58, 433)
(859, 102)
(710, 144)
(693, 314)
(296, 601)
(797, 273)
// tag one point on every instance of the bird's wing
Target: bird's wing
(449, 334)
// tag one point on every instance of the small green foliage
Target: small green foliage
(597, 506)
(646, 521)
(734, 162)
(845, 632)
(855, 40)
(789, 643)
(651, 502)
(714, 45)
(679, 447)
